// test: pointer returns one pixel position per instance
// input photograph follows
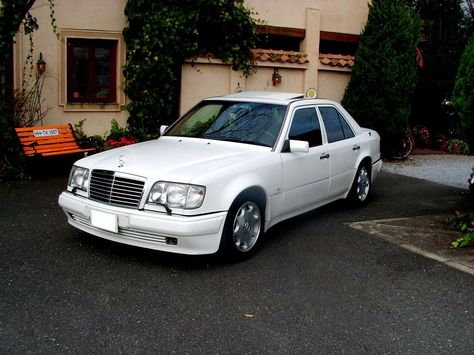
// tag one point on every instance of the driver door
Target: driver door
(305, 175)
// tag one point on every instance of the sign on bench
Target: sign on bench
(45, 132)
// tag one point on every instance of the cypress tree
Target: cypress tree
(384, 75)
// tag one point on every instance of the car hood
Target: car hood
(173, 158)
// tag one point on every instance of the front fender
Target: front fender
(264, 174)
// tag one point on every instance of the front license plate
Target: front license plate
(104, 220)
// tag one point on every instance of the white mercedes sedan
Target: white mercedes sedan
(223, 174)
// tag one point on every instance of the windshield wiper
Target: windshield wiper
(236, 140)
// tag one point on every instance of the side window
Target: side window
(347, 129)
(305, 126)
(336, 126)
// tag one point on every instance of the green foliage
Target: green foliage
(384, 76)
(79, 130)
(117, 136)
(443, 40)
(116, 132)
(464, 223)
(11, 162)
(457, 146)
(161, 34)
(463, 94)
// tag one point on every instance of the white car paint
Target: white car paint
(293, 182)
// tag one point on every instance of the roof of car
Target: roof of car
(267, 96)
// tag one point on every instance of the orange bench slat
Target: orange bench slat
(52, 147)
(35, 128)
(69, 152)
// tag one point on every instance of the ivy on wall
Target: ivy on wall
(161, 34)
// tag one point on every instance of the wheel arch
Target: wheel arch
(367, 161)
(363, 161)
(256, 193)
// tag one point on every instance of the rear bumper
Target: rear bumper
(152, 230)
(376, 167)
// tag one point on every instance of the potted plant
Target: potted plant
(457, 146)
(441, 142)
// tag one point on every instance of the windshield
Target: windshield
(245, 122)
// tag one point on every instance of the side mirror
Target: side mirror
(299, 146)
(163, 129)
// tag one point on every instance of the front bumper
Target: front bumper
(152, 230)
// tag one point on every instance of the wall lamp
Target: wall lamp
(276, 77)
(41, 65)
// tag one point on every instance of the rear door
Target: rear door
(343, 146)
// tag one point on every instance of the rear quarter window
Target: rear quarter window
(337, 128)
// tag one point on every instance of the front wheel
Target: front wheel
(360, 189)
(243, 228)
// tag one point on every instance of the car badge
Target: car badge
(121, 161)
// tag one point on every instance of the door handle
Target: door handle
(356, 147)
(324, 156)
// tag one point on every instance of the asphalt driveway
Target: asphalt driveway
(317, 286)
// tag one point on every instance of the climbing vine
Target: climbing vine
(161, 34)
(15, 14)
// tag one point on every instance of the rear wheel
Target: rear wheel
(360, 187)
(243, 228)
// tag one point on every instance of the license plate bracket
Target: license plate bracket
(104, 220)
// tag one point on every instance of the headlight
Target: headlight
(177, 195)
(79, 178)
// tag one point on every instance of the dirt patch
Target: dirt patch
(426, 235)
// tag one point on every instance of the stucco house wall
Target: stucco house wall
(105, 19)
(328, 77)
(88, 19)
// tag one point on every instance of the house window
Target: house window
(91, 74)
(338, 43)
(280, 38)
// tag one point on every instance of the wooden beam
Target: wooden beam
(282, 31)
(339, 37)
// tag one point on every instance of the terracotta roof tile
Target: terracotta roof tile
(337, 60)
(270, 55)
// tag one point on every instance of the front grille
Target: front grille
(115, 190)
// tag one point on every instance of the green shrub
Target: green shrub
(464, 223)
(457, 146)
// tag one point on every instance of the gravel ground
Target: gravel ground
(451, 170)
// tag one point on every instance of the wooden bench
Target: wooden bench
(49, 140)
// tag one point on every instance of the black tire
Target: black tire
(359, 194)
(405, 147)
(243, 228)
